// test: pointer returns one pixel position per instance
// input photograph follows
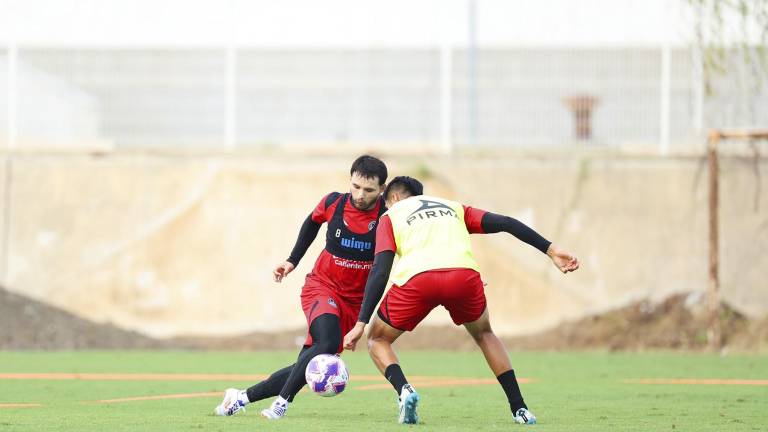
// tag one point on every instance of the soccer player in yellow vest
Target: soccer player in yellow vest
(430, 236)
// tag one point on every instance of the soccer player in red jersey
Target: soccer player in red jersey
(430, 236)
(333, 290)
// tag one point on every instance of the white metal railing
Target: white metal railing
(439, 98)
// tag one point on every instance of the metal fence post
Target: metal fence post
(714, 338)
(446, 97)
(230, 98)
(472, 101)
(666, 59)
(10, 145)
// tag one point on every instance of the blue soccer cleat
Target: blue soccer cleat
(409, 400)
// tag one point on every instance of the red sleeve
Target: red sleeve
(385, 237)
(321, 214)
(473, 219)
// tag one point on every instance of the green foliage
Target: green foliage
(725, 28)
(423, 172)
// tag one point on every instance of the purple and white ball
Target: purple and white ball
(327, 375)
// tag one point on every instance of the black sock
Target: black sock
(395, 376)
(326, 339)
(509, 384)
(269, 387)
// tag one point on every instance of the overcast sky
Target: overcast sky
(282, 23)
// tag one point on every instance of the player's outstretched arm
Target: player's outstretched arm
(374, 289)
(307, 235)
(563, 260)
(493, 223)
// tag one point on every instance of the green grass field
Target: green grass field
(569, 392)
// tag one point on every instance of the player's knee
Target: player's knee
(480, 333)
(375, 337)
(371, 343)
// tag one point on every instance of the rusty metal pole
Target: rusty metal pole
(714, 333)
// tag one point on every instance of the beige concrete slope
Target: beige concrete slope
(638, 224)
(173, 245)
(164, 246)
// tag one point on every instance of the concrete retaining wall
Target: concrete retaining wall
(173, 245)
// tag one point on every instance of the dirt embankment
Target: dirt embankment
(677, 323)
(27, 324)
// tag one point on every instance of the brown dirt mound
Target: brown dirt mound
(26, 324)
(676, 323)
(679, 322)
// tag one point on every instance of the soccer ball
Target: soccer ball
(327, 375)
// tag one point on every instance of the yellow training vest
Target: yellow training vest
(430, 234)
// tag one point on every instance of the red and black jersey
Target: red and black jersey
(350, 244)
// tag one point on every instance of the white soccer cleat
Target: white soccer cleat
(231, 403)
(523, 416)
(408, 402)
(277, 410)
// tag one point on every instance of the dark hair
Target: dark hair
(406, 184)
(369, 167)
